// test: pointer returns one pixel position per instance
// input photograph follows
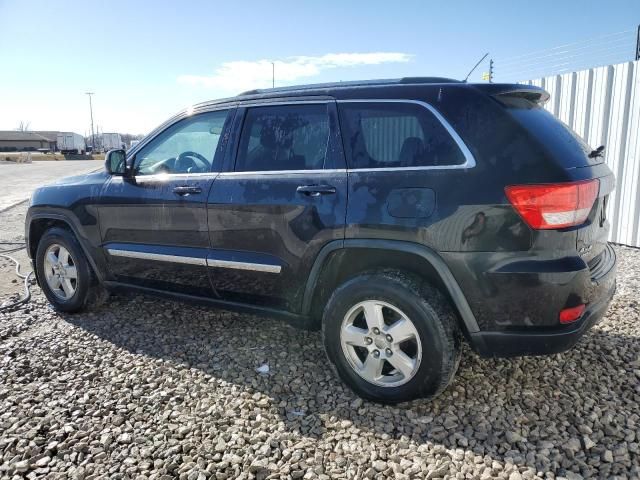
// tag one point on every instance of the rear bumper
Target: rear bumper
(545, 342)
(553, 289)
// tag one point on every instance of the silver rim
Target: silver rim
(381, 343)
(60, 272)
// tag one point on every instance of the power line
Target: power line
(587, 48)
(559, 69)
(622, 54)
(568, 58)
(508, 59)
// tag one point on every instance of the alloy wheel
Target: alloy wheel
(60, 271)
(381, 343)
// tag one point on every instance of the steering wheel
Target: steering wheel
(193, 155)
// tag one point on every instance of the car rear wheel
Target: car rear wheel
(391, 337)
(64, 273)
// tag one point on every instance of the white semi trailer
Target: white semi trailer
(111, 141)
(69, 142)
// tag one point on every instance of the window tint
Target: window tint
(291, 137)
(384, 135)
(570, 150)
(188, 146)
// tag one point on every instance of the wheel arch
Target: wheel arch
(39, 223)
(342, 259)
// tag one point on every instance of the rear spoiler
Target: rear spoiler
(515, 91)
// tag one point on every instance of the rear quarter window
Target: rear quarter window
(567, 148)
(396, 135)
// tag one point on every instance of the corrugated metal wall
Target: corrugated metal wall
(603, 106)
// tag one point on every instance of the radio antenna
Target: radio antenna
(476, 66)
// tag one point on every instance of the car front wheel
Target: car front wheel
(64, 273)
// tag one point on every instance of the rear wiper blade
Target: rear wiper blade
(598, 152)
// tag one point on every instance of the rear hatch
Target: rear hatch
(569, 150)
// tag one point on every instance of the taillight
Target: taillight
(556, 205)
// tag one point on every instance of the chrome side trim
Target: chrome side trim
(157, 256)
(470, 160)
(256, 267)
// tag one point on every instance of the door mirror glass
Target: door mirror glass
(114, 162)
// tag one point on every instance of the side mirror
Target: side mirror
(115, 162)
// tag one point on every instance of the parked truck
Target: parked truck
(111, 141)
(69, 142)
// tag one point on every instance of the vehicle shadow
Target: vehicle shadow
(526, 411)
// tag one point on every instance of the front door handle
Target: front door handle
(186, 190)
(316, 190)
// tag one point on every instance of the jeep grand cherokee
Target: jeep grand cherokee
(400, 217)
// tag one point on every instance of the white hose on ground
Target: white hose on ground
(27, 277)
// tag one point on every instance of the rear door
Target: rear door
(283, 198)
(154, 224)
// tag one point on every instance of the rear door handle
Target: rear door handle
(316, 190)
(186, 190)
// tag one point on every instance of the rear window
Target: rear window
(396, 134)
(567, 147)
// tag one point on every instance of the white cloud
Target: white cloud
(243, 75)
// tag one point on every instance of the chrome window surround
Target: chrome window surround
(470, 160)
(204, 262)
(159, 177)
(283, 172)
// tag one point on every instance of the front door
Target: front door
(154, 222)
(284, 200)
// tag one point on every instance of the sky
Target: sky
(146, 60)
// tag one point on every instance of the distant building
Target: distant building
(13, 141)
(51, 136)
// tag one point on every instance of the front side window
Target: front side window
(288, 137)
(396, 134)
(189, 146)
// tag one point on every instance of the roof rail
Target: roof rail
(355, 83)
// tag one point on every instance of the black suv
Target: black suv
(400, 216)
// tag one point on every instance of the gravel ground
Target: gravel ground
(147, 388)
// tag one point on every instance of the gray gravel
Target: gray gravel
(147, 388)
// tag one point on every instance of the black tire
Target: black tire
(428, 310)
(88, 291)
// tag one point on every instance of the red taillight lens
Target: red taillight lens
(557, 205)
(569, 315)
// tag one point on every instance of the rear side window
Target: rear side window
(568, 148)
(289, 137)
(396, 134)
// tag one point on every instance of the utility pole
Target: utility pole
(93, 136)
(491, 70)
(273, 75)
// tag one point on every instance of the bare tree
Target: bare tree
(23, 126)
